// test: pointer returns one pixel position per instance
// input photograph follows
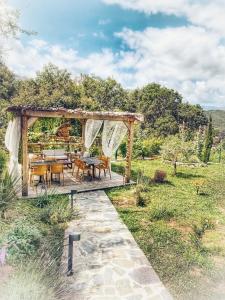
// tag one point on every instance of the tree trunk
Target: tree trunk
(174, 168)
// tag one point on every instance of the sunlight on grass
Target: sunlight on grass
(181, 232)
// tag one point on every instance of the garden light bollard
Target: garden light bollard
(72, 238)
(73, 192)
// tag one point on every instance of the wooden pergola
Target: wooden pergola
(27, 112)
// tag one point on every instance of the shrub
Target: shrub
(23, 240)
(57, 212)
(8, 192)
(123, 149)
(146, 148)
(198, 184)
(139, 194)
(199, 229)
(3, 159)
(37, 279)
(160, 176)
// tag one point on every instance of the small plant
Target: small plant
(23, 240)
(56, 212)
(199, 184)
(8, 192)
(3, 160)
(159, 176)
(199, 229)
(139, 194)
(162, 212)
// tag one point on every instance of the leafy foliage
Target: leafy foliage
(8, 192)
(23, 240)
(208, 141)
(175, 150)
(147, 147)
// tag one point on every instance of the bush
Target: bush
(3, 159)
(8, 192)
(160, 176)
(23, 240)
(146, 148)
(199, 184)
(139, 194)
(123, 149)
(57, 212)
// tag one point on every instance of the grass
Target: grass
(181, 232)
(34, 232)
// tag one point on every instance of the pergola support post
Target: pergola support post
(130, 126)
(25, 172)
(83, 124)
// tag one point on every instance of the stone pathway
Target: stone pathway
(108, 264)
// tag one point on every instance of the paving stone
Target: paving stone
(144, 275)
(108, 264)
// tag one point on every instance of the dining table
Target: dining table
(50, 163)
(91, 162)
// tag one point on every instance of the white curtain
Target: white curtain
(112, 136)
(92, 128)
(12, 142)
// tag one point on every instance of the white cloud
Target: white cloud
(27, 59)
(189, 59)
(206, 13)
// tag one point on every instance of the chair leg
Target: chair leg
(73, 168)
(63, 178)
(105, 172)
(110, 174)
(77, 176)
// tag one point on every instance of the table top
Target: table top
(49, 162)
(91, 160)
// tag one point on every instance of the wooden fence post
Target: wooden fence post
(130, 126)
(25, 170)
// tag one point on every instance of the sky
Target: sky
(177, 43)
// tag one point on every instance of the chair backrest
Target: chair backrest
(105, 160)
(80, 164)
(39, 170)
(57, 168)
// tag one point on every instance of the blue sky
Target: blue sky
(177, 43)
(86, 25)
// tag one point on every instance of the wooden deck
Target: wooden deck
(71, 183)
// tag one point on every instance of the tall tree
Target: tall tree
(108, 93)
(52, 87)
(160, 107)
(208, 141)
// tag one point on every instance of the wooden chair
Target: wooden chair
(57, 169)
(104, 165)
(41, 171)
(81, 166)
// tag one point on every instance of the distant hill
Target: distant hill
(218, 117)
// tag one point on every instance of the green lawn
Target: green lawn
(181, 233)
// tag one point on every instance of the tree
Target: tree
(7, 83)
(175, 150)
(9, 24)
(208, 141)
(52, 87)
(192, 115)
(108, 93)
